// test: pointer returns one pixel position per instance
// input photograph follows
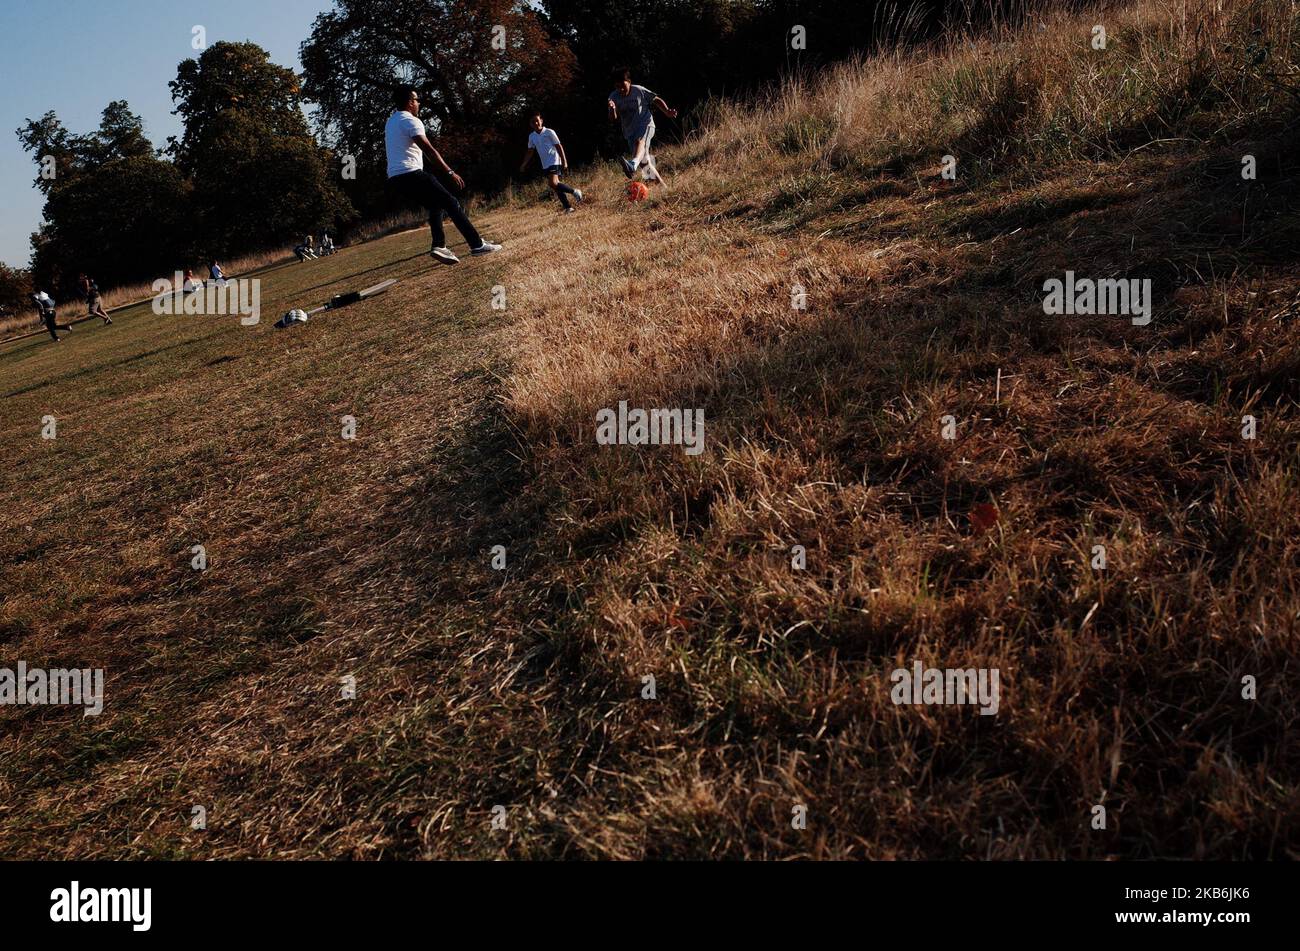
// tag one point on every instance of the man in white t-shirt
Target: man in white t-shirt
(555, 163)
(407, 144)
(633, 108)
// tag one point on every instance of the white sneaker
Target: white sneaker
(577, 193)
(444, 255)
(570, 210)
(487, 247)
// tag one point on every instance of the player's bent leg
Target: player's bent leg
(456, 212)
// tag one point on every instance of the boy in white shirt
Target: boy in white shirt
(407, 144)
(555, 163)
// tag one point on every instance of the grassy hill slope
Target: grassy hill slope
(524, 687)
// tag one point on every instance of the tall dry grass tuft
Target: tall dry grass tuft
(1031, 89)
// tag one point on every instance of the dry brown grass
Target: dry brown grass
(523, 688)
(1123, 686)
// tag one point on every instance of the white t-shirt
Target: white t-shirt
(399, 138)
(547, 144)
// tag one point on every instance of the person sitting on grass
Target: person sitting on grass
(49, 316)
(305, 251)
(326, 244)
(546, 144)
(214, 272)
(633, 107)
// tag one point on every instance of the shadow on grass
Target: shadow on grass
(99, 367)
(356, 274)
(946, 335)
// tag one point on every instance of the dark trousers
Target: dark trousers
(563, 191)
(52, 325)
(421, 188)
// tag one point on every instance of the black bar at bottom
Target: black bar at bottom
(895, 901)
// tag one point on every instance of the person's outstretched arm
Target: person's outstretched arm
(427, 147)
(613, 111)
(663, 107)
(564, 159)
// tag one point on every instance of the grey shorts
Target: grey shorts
(634, 139)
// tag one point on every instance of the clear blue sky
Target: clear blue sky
(77, 56)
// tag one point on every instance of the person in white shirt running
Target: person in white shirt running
(407, 144)
(555, 163)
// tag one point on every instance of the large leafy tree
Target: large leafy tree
(15, 285)
(474, 93)
(125, 221)
(46, 138)
(260, 177)
(113, 208)
(120, 135)
(255, 190)
(233, 78)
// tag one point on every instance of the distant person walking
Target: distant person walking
(49, 316)
(407, 144)
(546, 145)
(94, 304)
(633, 107)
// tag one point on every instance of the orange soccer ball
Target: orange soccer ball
(637, 191)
